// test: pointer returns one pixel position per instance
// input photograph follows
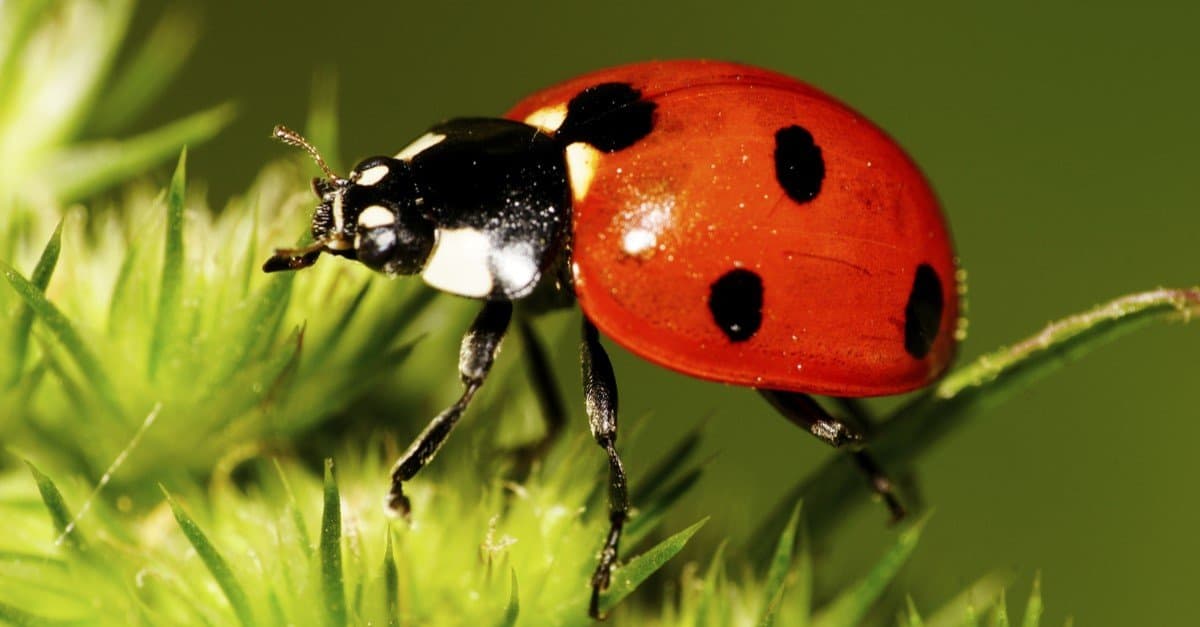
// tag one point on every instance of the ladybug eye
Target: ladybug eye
(392, 242)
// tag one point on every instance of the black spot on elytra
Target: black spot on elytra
(798, 163)
(736, 301)
(923, 313)
(609, 116)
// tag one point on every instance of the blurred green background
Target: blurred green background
(1062, 140)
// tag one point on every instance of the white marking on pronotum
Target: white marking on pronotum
(582, 161)
(108, 473)
(376, 215)
(459, 263)
(372, 175)
(424, 142)
(548, 119)
(515, 267)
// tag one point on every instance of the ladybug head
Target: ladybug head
(373, 216)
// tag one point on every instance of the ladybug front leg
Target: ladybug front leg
(479, 348)
(802, 410)
(600, 397)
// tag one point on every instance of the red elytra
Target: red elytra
(700, 196)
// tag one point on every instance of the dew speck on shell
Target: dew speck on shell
(644, 222)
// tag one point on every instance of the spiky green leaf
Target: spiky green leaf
(912, 617)
(22, 20)
(293, 510)
(391, 582)
(60, 515)
(216, 564)
(513, 610)
(67, 337)
(39, 279)
(627, 578)
(999, 617)
(148, 72)
(781, 563)
(1033, 609)
(171, 283)
(709, 600)
(849, 607)
(86, 169)
(332, 579)
(967, 605)
(20, 618)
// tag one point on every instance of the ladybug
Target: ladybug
(720, 220)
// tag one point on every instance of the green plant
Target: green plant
(247, 518)
(497, 554)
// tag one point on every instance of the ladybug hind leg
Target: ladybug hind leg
(545, 387)
(804, 412)
(479, 348)
(600, 396)
(855, 410)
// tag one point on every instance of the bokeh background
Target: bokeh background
(1062, 139)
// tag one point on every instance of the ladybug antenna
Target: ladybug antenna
(292, 138)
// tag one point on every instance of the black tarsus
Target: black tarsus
(859, 415)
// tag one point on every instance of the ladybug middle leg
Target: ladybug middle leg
(802, 410)
(600, 397)
(479, 348)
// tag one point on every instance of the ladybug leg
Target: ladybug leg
(600, 396)
(479, 348)
(544, 386)
(802, 410)
(854, 409)
(281, 260)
